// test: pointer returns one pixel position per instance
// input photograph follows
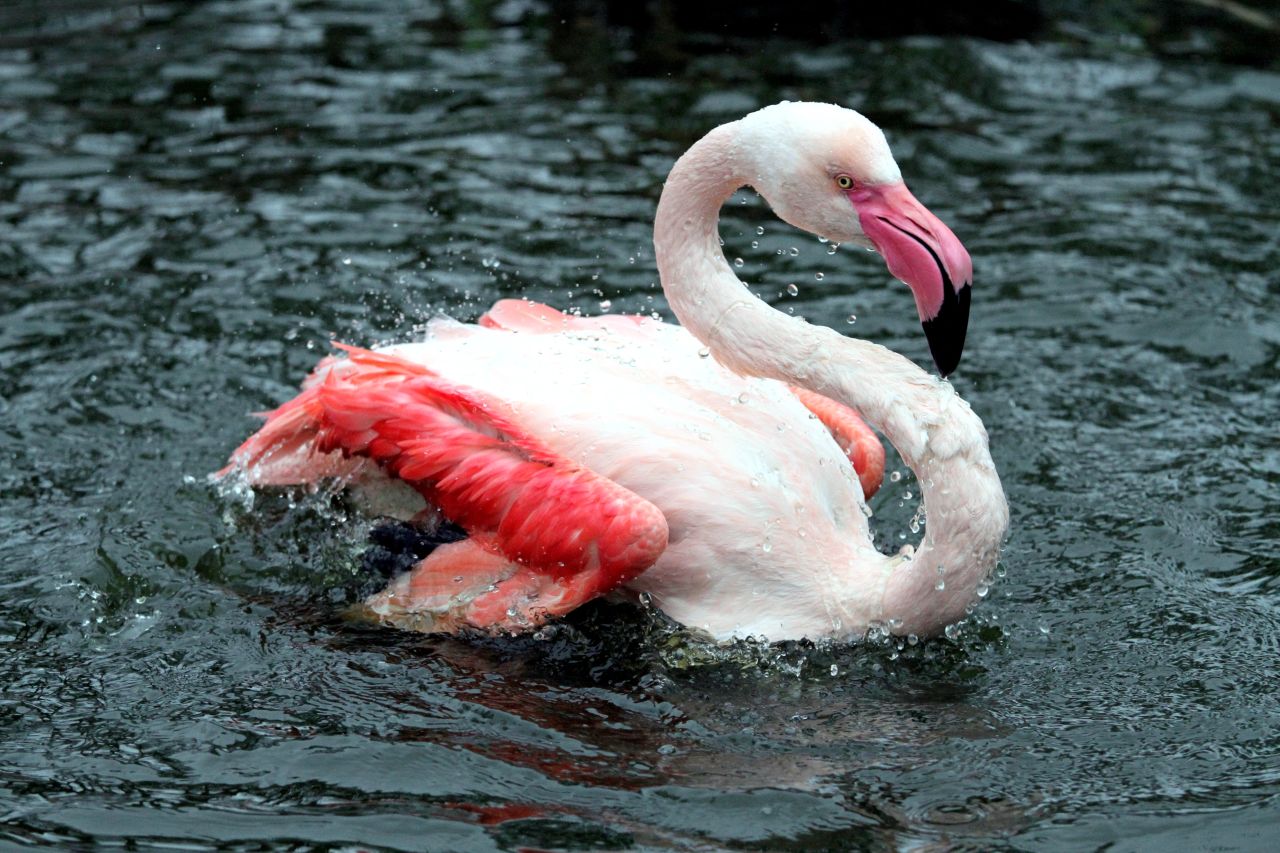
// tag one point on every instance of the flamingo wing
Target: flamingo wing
(547, 533)
(851, 432)
(856, 439)
(519, 315)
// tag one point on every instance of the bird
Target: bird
(717, 470)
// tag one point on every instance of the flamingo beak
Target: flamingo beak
(922, 252)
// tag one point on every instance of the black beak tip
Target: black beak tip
(946, 330)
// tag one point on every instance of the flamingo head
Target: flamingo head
(828, 170)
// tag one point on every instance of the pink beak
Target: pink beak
(922, 252)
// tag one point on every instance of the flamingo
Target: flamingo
(718, 469)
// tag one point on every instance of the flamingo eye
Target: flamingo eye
(844, 182)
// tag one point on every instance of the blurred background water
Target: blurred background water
(197, 198)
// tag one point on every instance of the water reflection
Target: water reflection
(747, 720)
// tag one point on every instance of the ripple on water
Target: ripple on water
(178, 666)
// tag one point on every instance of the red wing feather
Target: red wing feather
(571, 534)
(851, 432)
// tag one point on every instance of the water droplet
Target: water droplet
(755, 244)
(704, 352)
(737, 262)
(907, 496)
(645, 599)
(1044, 629)
(605, 304)
(912, 639)
(755, 484)
(792, 290)
(833, 248)
(794, 251)
(951, 631)
(940, 585)
(835, 670)
(819, 276)
(759, 229)
(742, 398)
(823, 240)
(346, 262)
(667, 749)
(983, 589)
(766, 546)
(853, 318)
(1001, 571)
(895, 476)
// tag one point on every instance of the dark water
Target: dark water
(196, 200)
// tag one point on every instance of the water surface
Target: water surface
(197, 199)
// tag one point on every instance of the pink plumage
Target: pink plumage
(546, 515)
(720, 467)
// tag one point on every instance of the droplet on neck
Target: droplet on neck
(704, 352)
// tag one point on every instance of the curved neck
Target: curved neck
(933, 429)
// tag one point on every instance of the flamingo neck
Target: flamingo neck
(937, 434)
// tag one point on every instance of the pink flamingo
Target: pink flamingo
(717, 469)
